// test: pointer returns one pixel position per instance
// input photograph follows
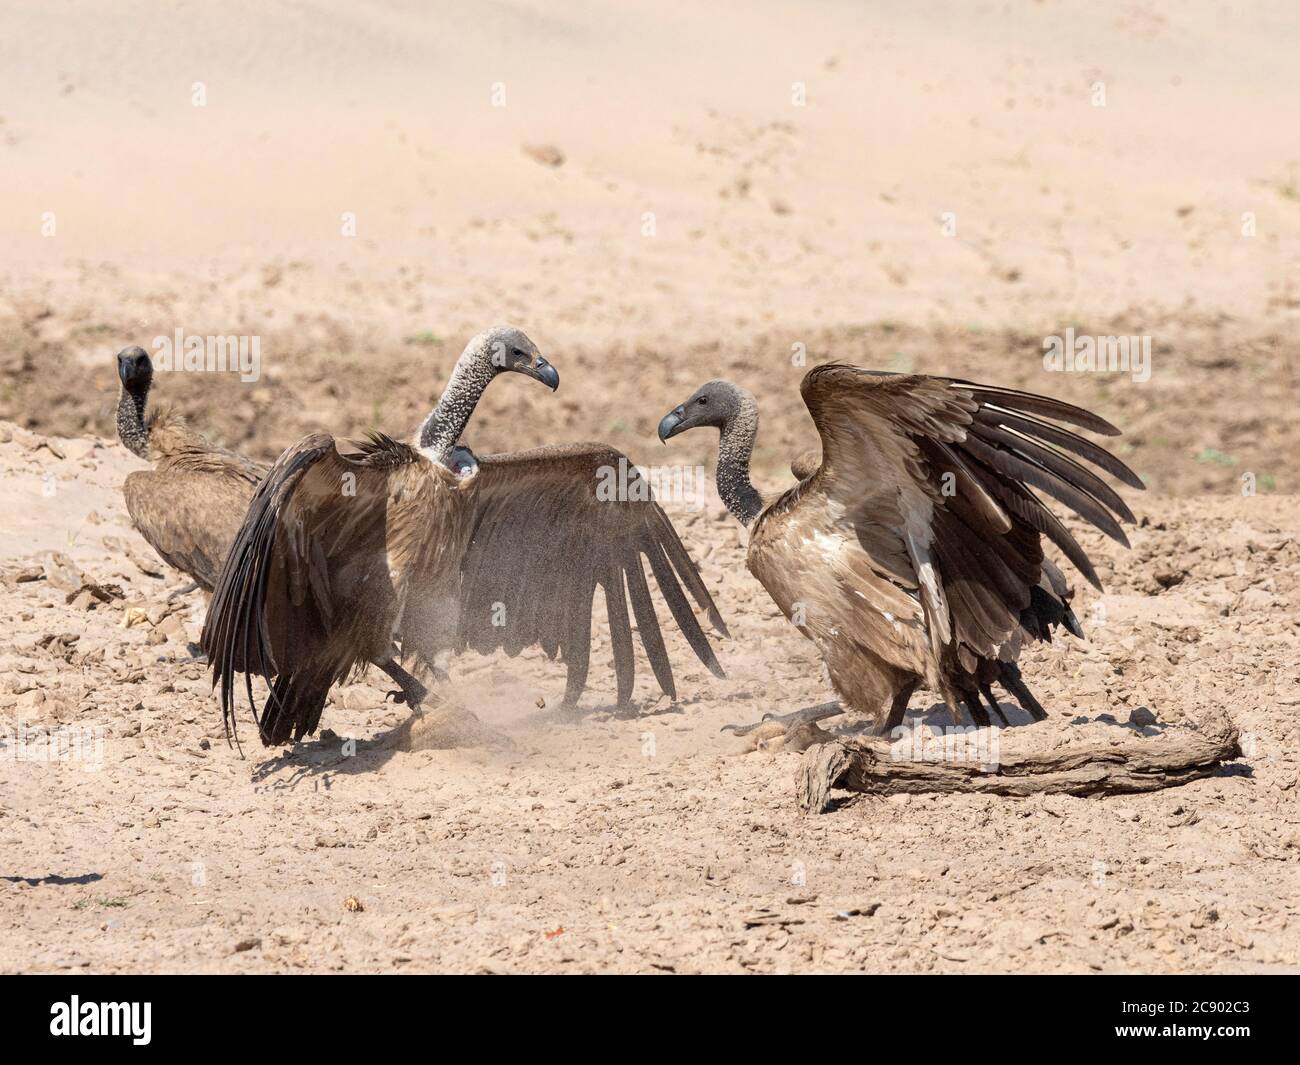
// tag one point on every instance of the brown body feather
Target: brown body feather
(342, 558)
(321, 582)
(911, 553)
(337, 554)
(189, 506)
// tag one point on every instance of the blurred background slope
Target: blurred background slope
(658, 194)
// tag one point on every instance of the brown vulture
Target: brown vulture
(190, 505)
(911, 552)
(345, 555)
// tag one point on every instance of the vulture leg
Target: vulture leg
(191, 587)
(898, 708)
(977, 712)
(805, 716)
(411, 691)
(1011, 681)
(993, 704)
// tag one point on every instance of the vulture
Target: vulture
(370, 554)
(911, 551)
(189, 506)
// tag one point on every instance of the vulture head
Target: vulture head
(134, 370)
(718, 403)
(508, 350)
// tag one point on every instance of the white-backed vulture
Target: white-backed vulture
(911, 552)
(342, 556)
(190, 505)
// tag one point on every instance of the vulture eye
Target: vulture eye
(702, 400)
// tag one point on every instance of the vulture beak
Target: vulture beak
(672, 423)
(133, 368)
(543, 371)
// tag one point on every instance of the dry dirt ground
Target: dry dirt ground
(628, 843)
(926, 185)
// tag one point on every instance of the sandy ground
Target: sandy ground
(636, 842)
(654, 205)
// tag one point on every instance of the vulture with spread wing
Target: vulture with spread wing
(190, 504)
(351, 558)
(911, 552)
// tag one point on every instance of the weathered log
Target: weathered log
(1092, 759)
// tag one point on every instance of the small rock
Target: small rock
(1168, 578)
(61, 571)
(133, 616)
(248, 944)
(79, 449)
(1141, 717)
(353, 904)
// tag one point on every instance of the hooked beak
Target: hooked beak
(672, 423)
(543, 371)
(133, 368)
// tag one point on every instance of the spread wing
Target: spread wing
(306, 594)
(932, 480)
(551, 525)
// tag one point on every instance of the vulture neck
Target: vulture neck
(132, 429)
(735, 448)
(445, 423)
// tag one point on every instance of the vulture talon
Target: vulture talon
(409, 692)
(911, 551)
(790, 721)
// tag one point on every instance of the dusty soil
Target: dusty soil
(626, 843)
(656, 204)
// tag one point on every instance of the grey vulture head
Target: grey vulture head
(506, 349)
(716, 404)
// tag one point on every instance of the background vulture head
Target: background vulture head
(717, 403)
(508, 350)
(135, 370)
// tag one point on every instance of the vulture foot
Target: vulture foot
(807, 715)
(791, 732)
(409, 691)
